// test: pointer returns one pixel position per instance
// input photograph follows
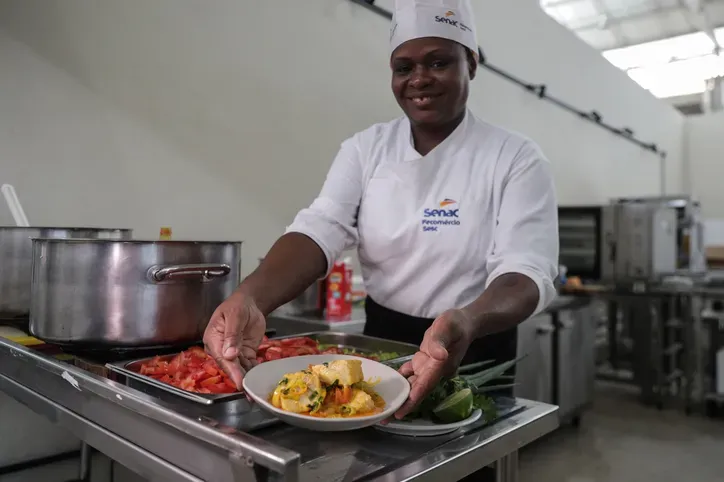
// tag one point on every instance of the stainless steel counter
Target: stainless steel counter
(164, 438)
(288, 324)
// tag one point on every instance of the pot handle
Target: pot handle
(206, 272)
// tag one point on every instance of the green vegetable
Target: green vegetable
(473, 366)
(456, 407)
(466, 380)
(487, 405)
(481, 378)
(384, 356)
(378, 355)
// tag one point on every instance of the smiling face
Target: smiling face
(430, 80)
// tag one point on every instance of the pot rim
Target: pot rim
(132, 241)
(75, 228)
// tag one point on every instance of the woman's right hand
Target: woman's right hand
(233, 334)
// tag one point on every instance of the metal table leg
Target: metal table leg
(84, 469)
(612, 334)
(85, 462)
(506, 468)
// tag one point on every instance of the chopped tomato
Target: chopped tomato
(343, 395)
(300, 341)
(210, 381)
(192, 370)
(197, 350)
(230, 383)
(198, 375)
(296, 346)
(307, 350)
(211, 368)
(274, 353)
(221, 388)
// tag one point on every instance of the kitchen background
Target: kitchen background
(169, 113)
(220, 119)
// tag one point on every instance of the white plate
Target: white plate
(426, 428)
(261, 380)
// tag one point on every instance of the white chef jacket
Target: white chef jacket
(434, 231)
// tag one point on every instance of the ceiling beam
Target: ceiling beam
(615, 29)
(700, 17)
(612, 21)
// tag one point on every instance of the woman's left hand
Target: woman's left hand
(443, 348)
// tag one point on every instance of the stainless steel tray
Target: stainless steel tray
(361, 343)
(132, 368)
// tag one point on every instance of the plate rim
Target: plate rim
(330, 421)
(410, 425)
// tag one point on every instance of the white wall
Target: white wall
(705, 157)
(221, 118)
(75, 159)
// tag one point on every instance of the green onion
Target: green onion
(473, 366)
(492, 388)
(481, 378)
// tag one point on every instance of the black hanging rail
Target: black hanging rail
(541, 91)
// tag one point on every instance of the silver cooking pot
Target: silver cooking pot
(16, 257)
(106, 293)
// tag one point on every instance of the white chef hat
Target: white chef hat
(450, 19)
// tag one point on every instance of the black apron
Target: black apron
(383, 322)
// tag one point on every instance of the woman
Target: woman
(455, 220)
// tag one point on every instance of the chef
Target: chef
(454, 219)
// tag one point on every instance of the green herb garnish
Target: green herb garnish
(480, 383)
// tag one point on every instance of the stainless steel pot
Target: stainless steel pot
(16, 257)
(105, 293)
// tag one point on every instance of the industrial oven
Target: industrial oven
(632, 239)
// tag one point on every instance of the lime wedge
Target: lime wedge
(456, 407)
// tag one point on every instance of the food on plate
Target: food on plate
(274, 349)
(454, 399)
(331, 390)
(299, 392)
(191, 370)
(343, 372)
(195, 371)
(456, 407)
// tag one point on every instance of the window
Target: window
(672, 67)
